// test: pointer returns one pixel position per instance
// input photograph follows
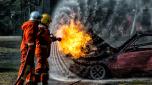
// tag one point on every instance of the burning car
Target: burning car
(133, 58)
(94, 58)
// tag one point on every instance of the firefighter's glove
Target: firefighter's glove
(53, 38)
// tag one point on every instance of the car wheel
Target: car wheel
(98, 72)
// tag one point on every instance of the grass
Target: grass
(7, 78)
(9, 61)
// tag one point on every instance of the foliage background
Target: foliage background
(14, 12)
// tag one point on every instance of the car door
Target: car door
(136, 58)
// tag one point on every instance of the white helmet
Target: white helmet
(35, 15)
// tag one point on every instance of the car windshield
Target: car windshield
(145, 41)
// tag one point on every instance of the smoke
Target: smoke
(113, 20)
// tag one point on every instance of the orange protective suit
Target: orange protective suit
(27, 49)
(42, 52)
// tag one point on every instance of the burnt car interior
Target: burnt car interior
(104, 50)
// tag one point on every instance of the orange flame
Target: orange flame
(74, 39)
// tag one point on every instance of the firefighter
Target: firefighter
(27, 48)
(43, 42)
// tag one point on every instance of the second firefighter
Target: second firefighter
(43, 42)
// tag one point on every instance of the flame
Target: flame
(74, 39)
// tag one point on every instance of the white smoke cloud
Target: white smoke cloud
(113, 20)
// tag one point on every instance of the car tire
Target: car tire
(98, 72)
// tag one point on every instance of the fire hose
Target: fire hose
(24, 68)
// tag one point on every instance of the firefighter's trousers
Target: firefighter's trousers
(41, 69)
